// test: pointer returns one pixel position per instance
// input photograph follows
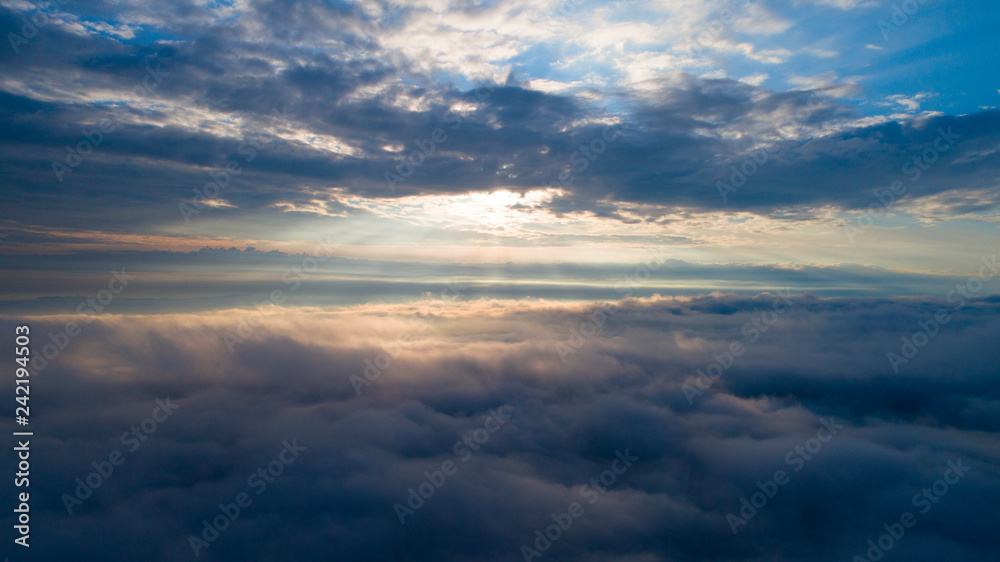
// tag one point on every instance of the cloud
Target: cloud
(486, 168)
(193, 281)
(676, 148)
(327, 125)
(621, 389)
(847, 4)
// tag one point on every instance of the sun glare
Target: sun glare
(501, 212)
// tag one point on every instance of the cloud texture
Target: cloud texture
(451, 363)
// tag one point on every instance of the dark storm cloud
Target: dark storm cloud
(623, 388)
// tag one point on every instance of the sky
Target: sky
(571, 209)
(745, 133)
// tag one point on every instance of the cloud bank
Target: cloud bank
(434, 373)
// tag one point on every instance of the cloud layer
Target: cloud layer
(435, 372)
(189, 89)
